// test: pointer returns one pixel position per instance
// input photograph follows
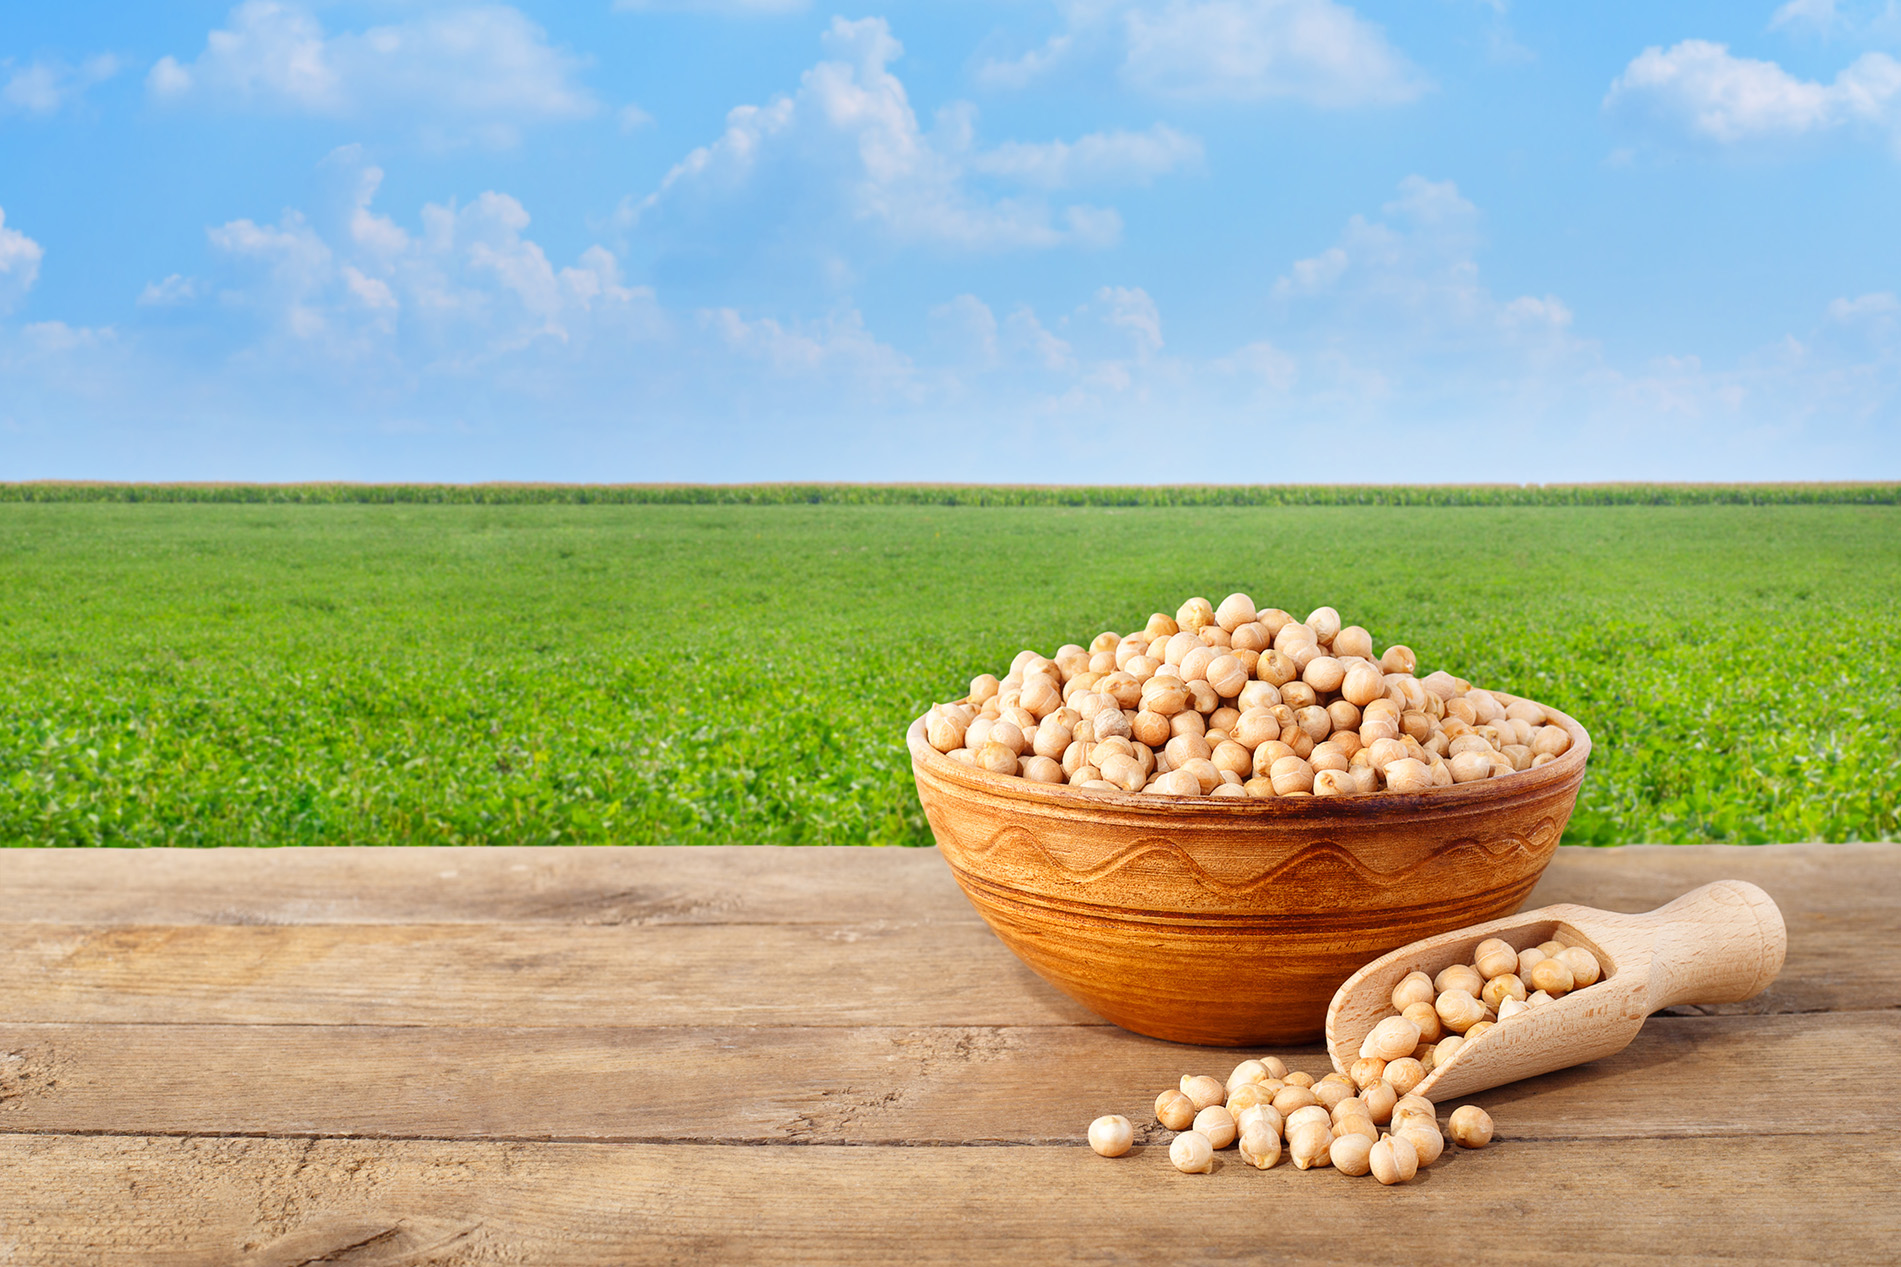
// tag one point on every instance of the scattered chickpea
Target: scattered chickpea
(1393, 1160)
(1174, 1110)
(1216, 1124)
(1111, 1136)
(1349, 1154)
(1310, 1145)
(1425, 1138)
(1260, 1147)
(1470, 1126)
(1379, 1100)
(1366, 1071)
(1203, 1090)
(1191, 1153)
(1292, 1097)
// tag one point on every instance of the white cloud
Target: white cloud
(846, 152)
(837, 346)
(1027, 334)
(1253, 50)
(467, 285)
(175, 290)
(1098, 158)
(1021, 71)
(1700, 88)
(1317, 51)
(19, 264)
(632, 118)
(1398, 308)
(1130, 308)
(1876, 305)
(480, 70)
(1819, 15)
(45, 85)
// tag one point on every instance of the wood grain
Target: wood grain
(857, 1085)
(521, 974)
(446, 885)
(709, 1055)
(261, 1202)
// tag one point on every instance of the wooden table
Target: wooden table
(361, 1056)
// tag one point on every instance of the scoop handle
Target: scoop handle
(1722, 943)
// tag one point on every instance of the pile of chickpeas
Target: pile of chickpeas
(1234, 701)
(1433, 1016)
(1266, 1111)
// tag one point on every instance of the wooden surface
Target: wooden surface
(370, 1056)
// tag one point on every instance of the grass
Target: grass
(267, 674)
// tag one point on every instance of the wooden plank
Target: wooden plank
(273, 1203)
(509, 884)
(727, 885)
(1683, 1077)
(538, 974)
(522, 974)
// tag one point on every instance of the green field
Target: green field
(273, 674)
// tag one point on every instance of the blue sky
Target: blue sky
(1088, 240)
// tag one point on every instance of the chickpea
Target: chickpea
(1041, 770)
(1470, 1126)
(1260, 1147)
(1366, 1071)
(1291, 1097)
(1111, 1136)
(1175, 1110)
(1331, 1094)
(1261, 1115)
(1459, 977)
(1379, 1100)
(1290, 774)
(1494, 958)
(1425, 1138)
(1551, 976)
(1459, 1010)
(1391, 1039)
(1426, 1017)
(1310, 1113)
(1393, 1160)
(1217, 1124)
(1583, 965)
(1247, 1096)
(1415, 987)
(1404, 1074)
(1527, 958)
(1196, 613)
(1349, 1154)
(1499, 989)
(1399, 658)
(1310, 1145)
(1191, 1153)
(1203, 1090)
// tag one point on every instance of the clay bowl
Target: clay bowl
(1232, 923)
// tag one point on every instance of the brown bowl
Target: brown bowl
(1230, 922)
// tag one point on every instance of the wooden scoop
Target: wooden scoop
(1721, 943)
